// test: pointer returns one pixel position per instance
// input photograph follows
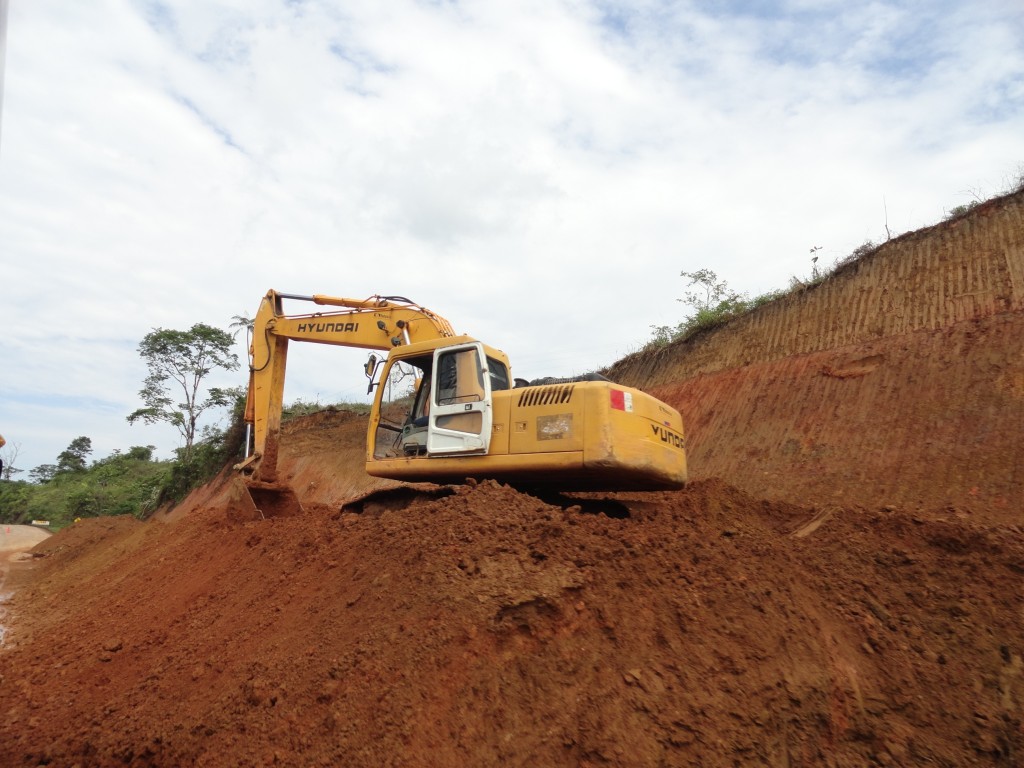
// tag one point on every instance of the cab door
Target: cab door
(460, 402)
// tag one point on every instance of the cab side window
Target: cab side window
(499, 375)
(459, 377)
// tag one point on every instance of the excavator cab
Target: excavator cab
(447, 413)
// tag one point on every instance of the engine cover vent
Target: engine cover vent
(555, 395)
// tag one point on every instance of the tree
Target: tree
(8, 456)
(183, 358)
(141, 452)
(242, 321)
(713, 297)
(44, 473)
(713, 303)
(72, 458)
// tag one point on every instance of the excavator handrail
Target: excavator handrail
(404, 312)
(373, 302)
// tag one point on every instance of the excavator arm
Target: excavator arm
(378, 322)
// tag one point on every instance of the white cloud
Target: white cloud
(539, 172)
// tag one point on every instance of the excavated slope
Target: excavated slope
(840, 611)
(899, 380)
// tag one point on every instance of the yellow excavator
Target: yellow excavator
(447, 408)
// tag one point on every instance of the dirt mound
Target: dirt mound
(322, 461)
(489, 628)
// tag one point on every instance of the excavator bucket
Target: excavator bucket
(274, 500)
(254, 500)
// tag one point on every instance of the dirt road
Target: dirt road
(15, 540)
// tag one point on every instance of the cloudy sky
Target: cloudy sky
(539, 172)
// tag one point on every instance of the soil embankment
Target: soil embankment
(899, 380)
(839, 586)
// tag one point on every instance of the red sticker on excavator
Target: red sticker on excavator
(618, 399)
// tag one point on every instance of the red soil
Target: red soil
(488, 628)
